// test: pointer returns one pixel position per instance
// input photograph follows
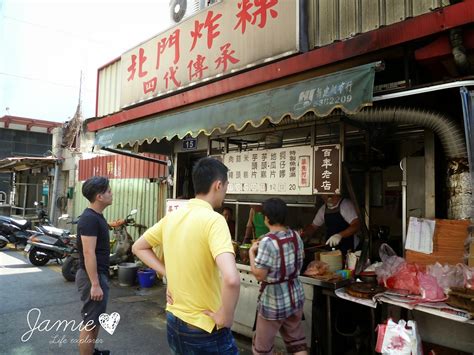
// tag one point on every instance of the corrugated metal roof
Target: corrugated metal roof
(108, 96)
(122, 167)
(337, 20)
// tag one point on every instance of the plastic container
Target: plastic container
(146, 278)
(127, 274)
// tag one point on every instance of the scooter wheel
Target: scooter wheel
(37, 259)
(69, 268)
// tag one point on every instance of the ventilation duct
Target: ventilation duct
(452, 138)
(454, 145)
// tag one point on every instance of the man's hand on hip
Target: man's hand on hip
(220, 319)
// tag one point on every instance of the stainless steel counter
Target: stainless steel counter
(333, 285)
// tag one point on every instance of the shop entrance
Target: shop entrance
(184, 180)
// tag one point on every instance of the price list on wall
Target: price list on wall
(284, 171)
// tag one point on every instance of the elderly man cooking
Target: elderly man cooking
(340, 218)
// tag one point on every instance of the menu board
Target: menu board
(283, 171)
(327, 169)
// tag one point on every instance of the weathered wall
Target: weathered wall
(147, 197)
(459, 190)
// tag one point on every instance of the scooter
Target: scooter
(15, 231)
(52, 231)
(120, 252)
(52, 243)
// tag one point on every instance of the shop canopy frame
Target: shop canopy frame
(348, 90)
(17, 164)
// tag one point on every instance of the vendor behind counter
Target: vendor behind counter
(340, 218)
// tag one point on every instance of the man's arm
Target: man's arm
(310, 229)
(143, 250)
(349, 213)
(90, 260)
(308, 232)
(249, 227)
(224, 317)
(349, 231)
(352, 229)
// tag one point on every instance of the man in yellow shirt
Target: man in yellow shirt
(199, 264)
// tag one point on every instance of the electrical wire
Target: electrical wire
(43, 80)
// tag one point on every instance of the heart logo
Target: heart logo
(109, 322)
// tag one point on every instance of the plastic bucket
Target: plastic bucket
(127, 274)
(146, 278)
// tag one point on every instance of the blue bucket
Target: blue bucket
(146, 278)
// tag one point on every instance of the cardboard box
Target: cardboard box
(448, 244)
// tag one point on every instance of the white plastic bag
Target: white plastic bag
(401, 338)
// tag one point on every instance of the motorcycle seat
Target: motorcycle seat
(15, 221)
(52, 230)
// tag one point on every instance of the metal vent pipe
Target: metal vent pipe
(451, 136)
(454, 145)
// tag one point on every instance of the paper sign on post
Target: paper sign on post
(420, 235)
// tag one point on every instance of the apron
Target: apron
(335, 223)
(283, 277)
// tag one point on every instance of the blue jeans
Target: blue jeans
(186, 339)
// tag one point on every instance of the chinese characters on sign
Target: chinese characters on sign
(327, 96)
(327, 169)
(211, 43)
(174, 204)
(285, 171)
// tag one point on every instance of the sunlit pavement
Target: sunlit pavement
(43, 293)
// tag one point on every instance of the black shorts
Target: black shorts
(91, 310)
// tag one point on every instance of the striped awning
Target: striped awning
(349, 90)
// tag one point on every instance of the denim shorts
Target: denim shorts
(185, 339)
(91, 310)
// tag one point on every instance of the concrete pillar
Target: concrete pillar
(429, 174)
(459, 189)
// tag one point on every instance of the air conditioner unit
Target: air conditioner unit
(180, 9)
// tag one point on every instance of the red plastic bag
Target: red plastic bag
(406, 278)
(429, 288)
(391, 264)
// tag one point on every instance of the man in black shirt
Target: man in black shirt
(94, 252)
